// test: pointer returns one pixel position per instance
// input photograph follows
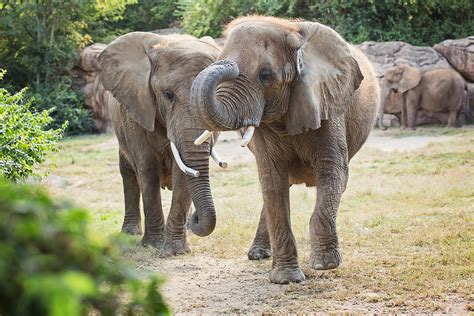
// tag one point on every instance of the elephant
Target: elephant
(149, 78)
(439, 93)
(394, 104)
(309, 99)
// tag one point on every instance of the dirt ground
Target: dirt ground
(202, 283)
(218, 278)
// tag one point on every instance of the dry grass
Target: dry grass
(406, 223)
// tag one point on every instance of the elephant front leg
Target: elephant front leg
(132, 220)
(175, 230)
(151, 196)
(275, 189)
(411, 99)
(261, 248)
(325, 252)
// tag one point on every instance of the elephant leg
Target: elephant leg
(275, 188)
(325, 252)
(175, 230)
(403, 116)
(131, 190)
(149, 179)
(411, 108)
(453, 119)
(261, 248)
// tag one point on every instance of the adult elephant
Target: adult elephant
(149, 77)
(311, 99)
(438, 92)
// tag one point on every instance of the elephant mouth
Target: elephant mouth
(244, 142)
(190, 171)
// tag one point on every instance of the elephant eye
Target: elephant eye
(265, 75)
(169, 95)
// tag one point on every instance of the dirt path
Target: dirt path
(201, 283)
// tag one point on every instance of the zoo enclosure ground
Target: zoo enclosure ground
(406, 226)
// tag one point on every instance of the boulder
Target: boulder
(88, 61)
(88, 70)
(388, 54)
(460, 54)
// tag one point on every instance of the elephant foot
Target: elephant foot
(325, 260)
(175, 247)
(285, 275)
(155, 241)
(132, 228)
(259, 252)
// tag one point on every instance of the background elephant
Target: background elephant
(312, 100)
(149, 77)
(439, 93)
(394, 104)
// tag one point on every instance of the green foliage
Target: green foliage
(148, 15)
(64, 105)
(51, 265)
(419, 22)
(23, 138)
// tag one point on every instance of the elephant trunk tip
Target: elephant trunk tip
(201, 227)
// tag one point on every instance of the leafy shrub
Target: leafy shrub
(418, 22)
(51, 265)
(64, 105)
(23, 138)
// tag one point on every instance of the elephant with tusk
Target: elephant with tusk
(149, 77)
(309, 99)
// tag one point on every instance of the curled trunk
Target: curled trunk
(211, 110)
(225, 99)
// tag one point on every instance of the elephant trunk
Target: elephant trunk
(224, 99)
(385, 93)
(211, 110)
(203, 220)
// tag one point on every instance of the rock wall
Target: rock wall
(95, 96)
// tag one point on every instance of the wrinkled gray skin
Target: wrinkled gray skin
(310, 122)
(439, 92)
(150, 77)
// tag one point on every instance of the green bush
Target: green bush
(419, 22)
(64, 105)
(23, 138)
(51, 265)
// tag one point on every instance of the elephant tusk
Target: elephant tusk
(247, 136)
(204, 136)
(189, 171)
(217, 159)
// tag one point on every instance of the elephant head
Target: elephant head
(398, 79)
(151, 76)
(275, 70)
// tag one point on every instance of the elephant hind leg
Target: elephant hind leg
(260, 248)
(453, 119)
(132, 219)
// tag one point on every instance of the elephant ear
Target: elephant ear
(410, 78)
(125, 72)
(327, 77)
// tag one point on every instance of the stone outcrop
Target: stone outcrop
(460, 54)
(388, 54)
(95, 95)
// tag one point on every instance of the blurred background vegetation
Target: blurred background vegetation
(40, 39)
